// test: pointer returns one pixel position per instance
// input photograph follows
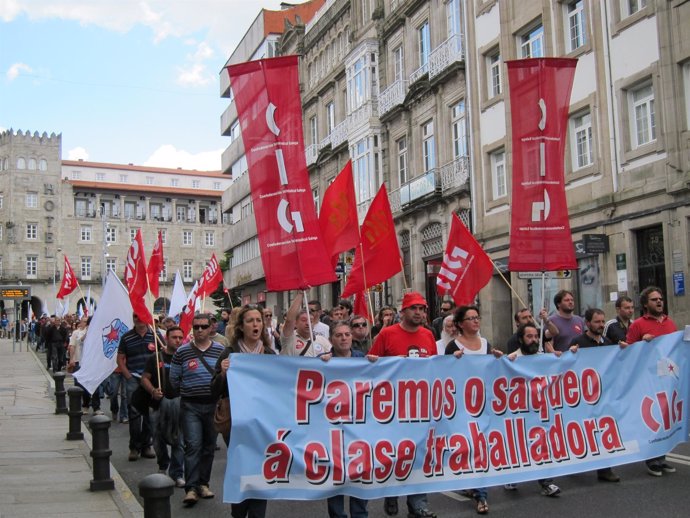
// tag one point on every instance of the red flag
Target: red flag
(466, 268)
(187, 314)
(135, 279)
(359, 307)
(211, 277)
(379, 246)
(540, 237)
(338, 216)
(156, 264)
(69, 281)
(270, 112)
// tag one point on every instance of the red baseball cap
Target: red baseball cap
(412, 299)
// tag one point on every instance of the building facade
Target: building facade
(627, 170)
(89, 212)
(383, 85)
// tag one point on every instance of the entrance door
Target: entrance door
(651, 269)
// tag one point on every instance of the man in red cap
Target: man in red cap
(409, 338)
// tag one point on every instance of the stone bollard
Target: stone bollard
(100, 453)
(75, 413)
(156, 491)
(60, 402)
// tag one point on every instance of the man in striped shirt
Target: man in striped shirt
(191, 372)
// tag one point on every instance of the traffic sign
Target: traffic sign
(559, 274)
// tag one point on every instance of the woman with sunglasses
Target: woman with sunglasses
(468, 341)
(248, 337)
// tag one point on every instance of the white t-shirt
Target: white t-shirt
(293, 345)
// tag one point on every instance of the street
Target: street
(638, 494)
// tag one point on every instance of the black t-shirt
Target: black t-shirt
(585, 341)
(164, 363)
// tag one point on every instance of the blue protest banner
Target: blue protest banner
(306, 429)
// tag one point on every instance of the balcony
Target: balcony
(339, 134)
(447, 53)
(311, 153)
(454, 175)
(227, 118)
(362, 114)
(392, 96)
(419, 73)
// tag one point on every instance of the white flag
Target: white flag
(110, 321)
(179, 297)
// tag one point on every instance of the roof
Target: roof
(143, 169)
(274, 21)
(177, 192)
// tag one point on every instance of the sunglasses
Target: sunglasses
(268, 314)
(200, 326)
(362, 324)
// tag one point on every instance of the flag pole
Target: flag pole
(367, 293)
(402, 269)
(543, 294)
(306, 306)
(507, 283)
(156, 338)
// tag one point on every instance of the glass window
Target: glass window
(235, 131)
(42, 164)
(174, 182)
(636, 5)
(356, 88)
(85, 268)
(330, 117)
(364, 185)
(187, 237)
(532, 43)
(459, 130)
(85, 233)
(313, 131)
(196, 184)
(31, 266)
(32, 164)
(21, 163)
(187, 270)
(31, 200)
(164, 235)
(2, 201)
(423, 44)
(428, 146)
(454, 23)
(398, 63)
(216, 186)
(111, 264)
(581, 140)
(493, 63)
(32, 231)
(123, 178)
(133, 233)
(149, 180)
(498, 174)
(642, 115)
(402, 160)
(163, 276)
(100, 177)
(111, 234)
(209, 238)
(576, 25)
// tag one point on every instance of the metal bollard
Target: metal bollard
(100, 453)
(156, 491)
(60, 401)
(75, 413)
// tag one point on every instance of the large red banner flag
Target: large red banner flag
(211, 277)
(270, 112)
(540, 237)
(69, 281)
(338, 216)
(466, 267)
(156, 264)
(135, 279)
(379, 247)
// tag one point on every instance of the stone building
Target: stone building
(383, 84)
(627, 162)
(89, 212)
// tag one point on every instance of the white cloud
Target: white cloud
(169, 156)
(196, 75)
(16, 69)
(78, 153)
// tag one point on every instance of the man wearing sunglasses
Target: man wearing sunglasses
(361, 339)
(191, 372)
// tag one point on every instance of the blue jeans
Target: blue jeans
(200, 442)
(116, 382)
(336, 507)
(173, 461)
(414, 502)
(139, 428)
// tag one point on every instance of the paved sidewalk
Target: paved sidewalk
(41, 473)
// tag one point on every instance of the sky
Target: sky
(123, 81)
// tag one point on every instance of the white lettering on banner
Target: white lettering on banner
(450, 264)
(281, 167)
(132, 257)
(539, 206)
(283, 217)
(270, 119)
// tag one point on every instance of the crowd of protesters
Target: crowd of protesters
(183, 377)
